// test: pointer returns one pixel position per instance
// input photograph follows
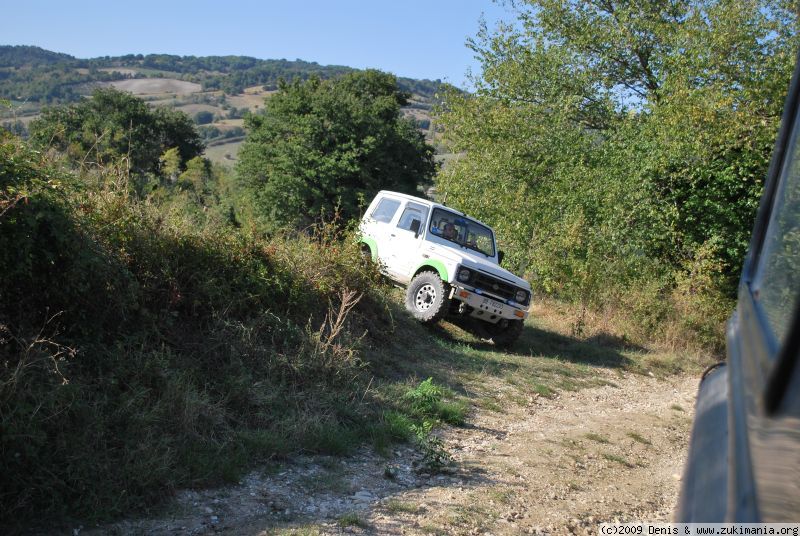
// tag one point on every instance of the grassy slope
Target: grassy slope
(545, 360)
(223, 153)
(145, 348)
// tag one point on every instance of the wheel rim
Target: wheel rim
(425, 297)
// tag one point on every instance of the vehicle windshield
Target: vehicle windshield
(463, 231)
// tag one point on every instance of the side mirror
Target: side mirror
(414, 227)
(500, 255)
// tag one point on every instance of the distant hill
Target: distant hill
(215, 91)
(22, 55)
(33, 74)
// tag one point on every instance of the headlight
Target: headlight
(464, 275)
(521, 296)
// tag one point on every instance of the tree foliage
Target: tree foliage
(620, 147)
(114, 124)
(326, 144)
(611, 140)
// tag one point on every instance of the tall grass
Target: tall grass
(142, 349)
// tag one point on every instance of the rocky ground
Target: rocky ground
(537, 465)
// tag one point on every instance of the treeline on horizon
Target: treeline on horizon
(29, 73)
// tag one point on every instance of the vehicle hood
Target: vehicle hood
(476, 261)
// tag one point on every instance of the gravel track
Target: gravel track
(556, 465)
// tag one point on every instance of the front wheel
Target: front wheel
(504, 333)
(426, 297)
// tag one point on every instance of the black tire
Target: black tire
(426, 297)
(366, 253)
(503, 334)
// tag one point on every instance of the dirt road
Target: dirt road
(538, 465)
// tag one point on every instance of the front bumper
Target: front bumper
(488, 308)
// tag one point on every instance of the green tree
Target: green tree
(196, 178)
(174, 128)
(170, 164)
(113, 125)
(203, 117)
(620, 146)
(326, 144)
(612, 140)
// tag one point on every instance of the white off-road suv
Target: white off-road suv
(448, 262)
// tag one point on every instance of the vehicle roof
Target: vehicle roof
(428, 202)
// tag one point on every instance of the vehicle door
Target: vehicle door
(405, 239)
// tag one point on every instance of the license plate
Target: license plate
(493, 304)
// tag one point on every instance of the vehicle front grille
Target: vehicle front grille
(494, 286)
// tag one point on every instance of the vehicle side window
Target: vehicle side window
(776, 283)
(413, 212)
(385, 210)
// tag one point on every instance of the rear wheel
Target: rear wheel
(366, 253)
(426, 297)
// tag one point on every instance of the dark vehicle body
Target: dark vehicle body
(744, 456)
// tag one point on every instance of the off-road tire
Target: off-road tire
(427, 297)
(504, 333)
(366, 254)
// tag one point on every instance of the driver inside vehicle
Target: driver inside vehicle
(449, 231)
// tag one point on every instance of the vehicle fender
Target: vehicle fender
(437, 265)
(373, 247)
(703, 497)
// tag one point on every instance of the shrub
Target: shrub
(425, 402)
(147, 347)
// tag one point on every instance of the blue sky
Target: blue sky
(413, 38)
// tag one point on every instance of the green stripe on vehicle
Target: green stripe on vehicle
(437, 265)
(373, 247)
